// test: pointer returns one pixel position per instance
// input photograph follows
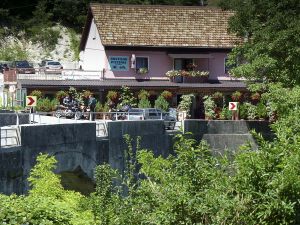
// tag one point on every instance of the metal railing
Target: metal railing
(10, 136)
(65, 74)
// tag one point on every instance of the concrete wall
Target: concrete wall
(227, 134)
(153, 137)
(8, 118)
(77, 149)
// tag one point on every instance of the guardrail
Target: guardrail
(10, 136)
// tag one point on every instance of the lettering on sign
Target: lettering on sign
(118, 63)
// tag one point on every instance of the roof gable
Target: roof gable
(163, 26)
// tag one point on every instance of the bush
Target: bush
(186, 103)
(209, 107)
(143, 94)
(46, 105)
(60, 95)
(144, 103)
(37, 93)
(161, 103)
(12, 53)
(167, 95)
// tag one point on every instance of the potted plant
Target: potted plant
(218, 97)
(185, 104)
(255, 97)
(143, 70)
(167, 95)
(236, 96)
(209, 107)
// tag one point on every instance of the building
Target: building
(137, 45)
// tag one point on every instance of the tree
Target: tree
(271, 34)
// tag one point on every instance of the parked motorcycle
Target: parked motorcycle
(70, 111)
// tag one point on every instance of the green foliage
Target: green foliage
(47, 202)
(39, 94)
(126, 98)
(143, 94)
(161, 103)
(225, 114)
(13, 52)
(144, 103)
(48, 37)
(186, 103)
(75, 41)
(46, 105)
(112, 96)
(167, 95)
(272, 35)
(60, 95)
(209, 107)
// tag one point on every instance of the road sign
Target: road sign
(233, 106)
(31, 100)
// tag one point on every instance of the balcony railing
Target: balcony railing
(66, 74)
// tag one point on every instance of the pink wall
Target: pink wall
(160, 63)
(217, 66)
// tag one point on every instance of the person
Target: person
(67, 101)
(92, 106)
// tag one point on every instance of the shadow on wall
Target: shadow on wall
(78, 181)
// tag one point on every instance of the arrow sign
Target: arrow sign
(30, 100)
(233, 106)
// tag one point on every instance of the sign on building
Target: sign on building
(118, 63)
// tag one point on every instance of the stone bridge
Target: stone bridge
(78, 150)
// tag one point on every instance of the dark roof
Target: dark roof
(111, 84)
(161, 26)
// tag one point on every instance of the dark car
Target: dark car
(22, 67)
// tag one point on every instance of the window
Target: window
(183, 64)
(142, 62)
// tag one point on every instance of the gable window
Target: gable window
(142, 62)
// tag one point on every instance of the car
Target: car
(22, 66)
(152, 114)
(51, 66)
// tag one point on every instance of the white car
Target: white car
(51, 67)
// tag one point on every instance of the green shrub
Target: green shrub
(144, 103)
(12, 53)
(39, 94)
(60, 95)
(143, 94)
(186, 103)
(226, 114)
(75, 41)
(46, 105)
(161, 103)
(167, 95)
(209, 107)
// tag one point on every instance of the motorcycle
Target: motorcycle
(69, 112)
